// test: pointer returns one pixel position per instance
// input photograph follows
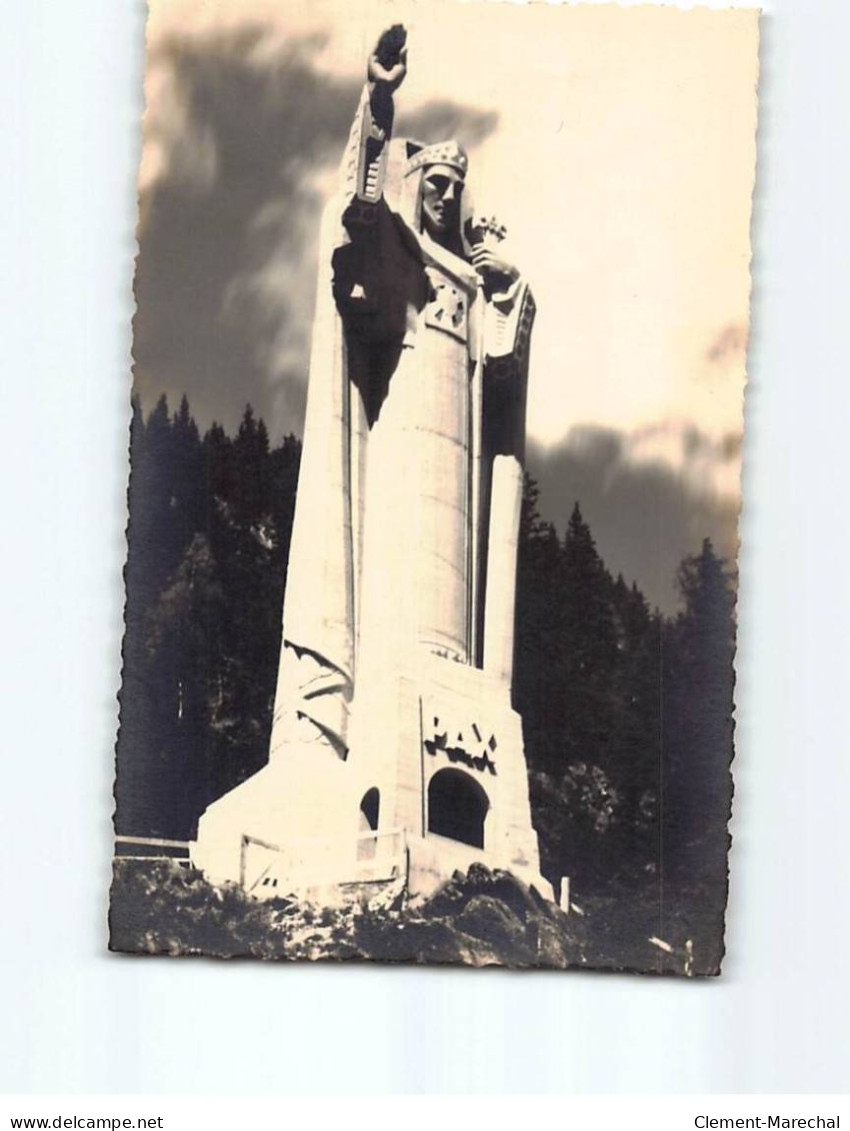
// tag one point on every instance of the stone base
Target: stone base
(298, 815)
(434, 859)
(425, 744)
(324, 872)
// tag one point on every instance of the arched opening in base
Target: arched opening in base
(370, 805)
(457, 807)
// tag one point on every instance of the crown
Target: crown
(443, 153)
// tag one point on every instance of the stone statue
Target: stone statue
(398, 616)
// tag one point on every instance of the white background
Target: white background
(76, 1019)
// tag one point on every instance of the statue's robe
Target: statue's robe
(417, 384)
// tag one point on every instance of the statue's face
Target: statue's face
(441, 190)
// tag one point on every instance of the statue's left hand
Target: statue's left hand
(496, 271)
(388, 62)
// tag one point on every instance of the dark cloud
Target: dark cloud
(645, 514)
(244, 127)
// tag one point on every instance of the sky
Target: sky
(616, 144)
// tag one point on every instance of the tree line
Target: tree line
(627, 713)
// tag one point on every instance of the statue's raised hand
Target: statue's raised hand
(388, 63)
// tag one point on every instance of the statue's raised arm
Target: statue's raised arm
(366, 152)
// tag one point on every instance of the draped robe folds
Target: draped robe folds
(415, 422)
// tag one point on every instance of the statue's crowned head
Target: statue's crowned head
(438, 172)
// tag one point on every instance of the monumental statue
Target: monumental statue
(395, 751)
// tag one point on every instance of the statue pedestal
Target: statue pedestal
(435, 780)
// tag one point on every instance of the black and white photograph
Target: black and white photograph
(439, 358)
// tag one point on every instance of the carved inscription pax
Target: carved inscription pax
(461, 742)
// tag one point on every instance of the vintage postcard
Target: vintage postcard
(439, 363)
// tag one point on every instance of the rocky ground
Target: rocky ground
(482, 918)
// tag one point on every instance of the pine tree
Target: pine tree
(590, 653)
(186, 663)
(537, 685)
(698, 732)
